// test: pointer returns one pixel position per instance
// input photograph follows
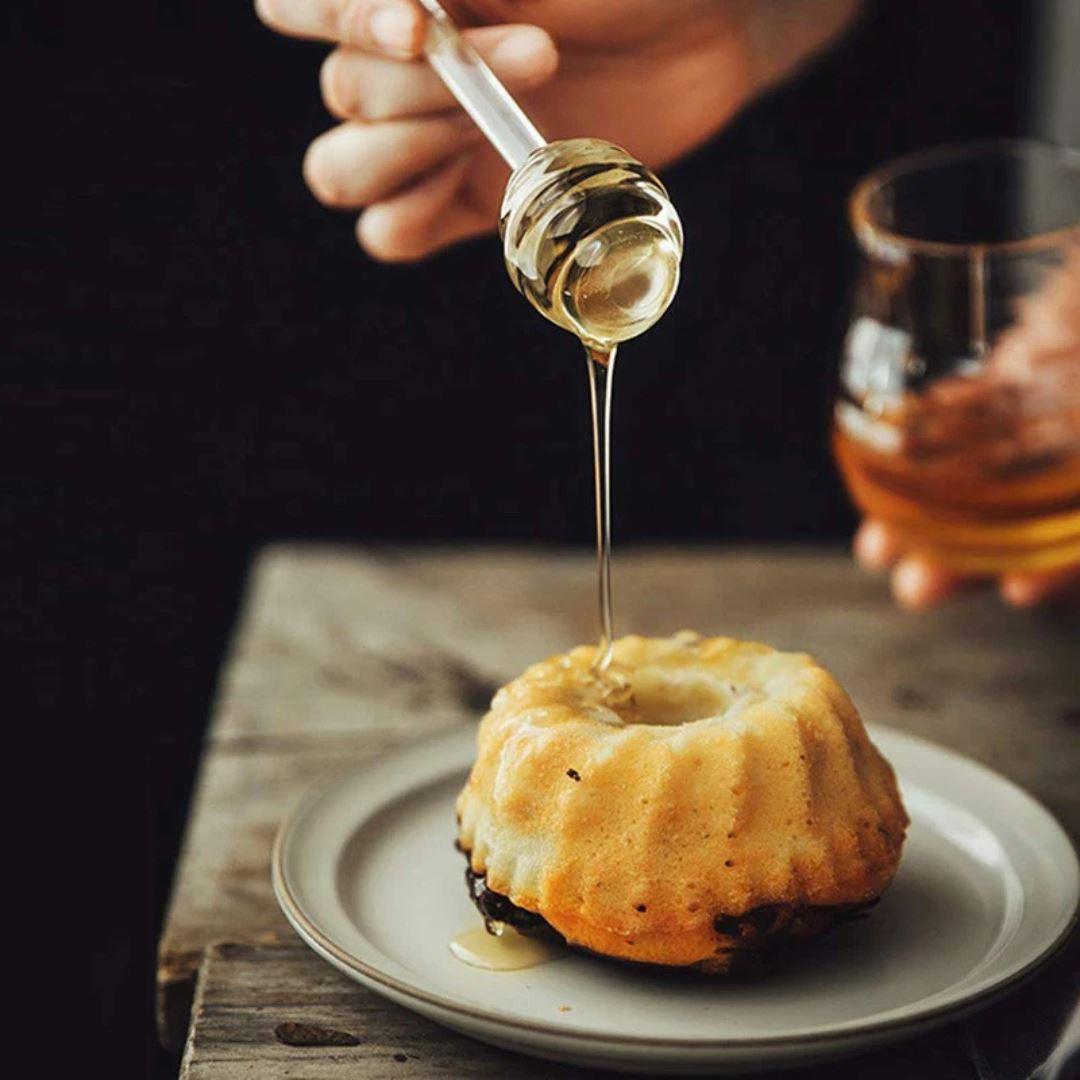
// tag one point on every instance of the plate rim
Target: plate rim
(322, 944)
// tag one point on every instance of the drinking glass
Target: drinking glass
(957, 419)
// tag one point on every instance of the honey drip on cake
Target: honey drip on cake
(500, 949)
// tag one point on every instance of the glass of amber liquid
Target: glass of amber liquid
(957, 419)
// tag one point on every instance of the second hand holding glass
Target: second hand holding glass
(957, 426)
(590, 239)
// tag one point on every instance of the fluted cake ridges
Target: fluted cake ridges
(642, 812)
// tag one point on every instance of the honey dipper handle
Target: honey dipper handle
(477, 89)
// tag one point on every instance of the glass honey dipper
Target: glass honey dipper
(590, 237)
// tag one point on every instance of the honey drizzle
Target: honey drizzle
(601, 366)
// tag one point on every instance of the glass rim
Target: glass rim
(876, 237)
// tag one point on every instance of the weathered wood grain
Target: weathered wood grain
(341, 655)
(245, 993)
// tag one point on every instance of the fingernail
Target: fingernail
(393, 28)
(867, 546)
(292, 16)
(1018, 592)
(522, 53)
(909, 585)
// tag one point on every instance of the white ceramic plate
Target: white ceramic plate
(367, 874)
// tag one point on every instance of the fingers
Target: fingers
(393, 27)
(1030, 590)
(428, 216)
(356, 84)
(875, 547)
(401, 152)
(918, 584)
(355, 164)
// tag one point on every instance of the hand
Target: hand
(658, 77)
(919, 583)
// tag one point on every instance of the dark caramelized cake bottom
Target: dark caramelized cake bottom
(754, 935)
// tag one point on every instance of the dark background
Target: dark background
(197, 358)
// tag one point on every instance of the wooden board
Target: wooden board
(254, 1004)
(341, 655)
(251, 999)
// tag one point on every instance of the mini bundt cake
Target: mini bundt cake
(701, 801)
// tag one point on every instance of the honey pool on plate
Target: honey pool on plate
(501, 949)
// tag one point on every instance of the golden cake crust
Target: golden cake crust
(706, 779)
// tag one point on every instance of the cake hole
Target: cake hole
(665, 697)
(641, 907)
